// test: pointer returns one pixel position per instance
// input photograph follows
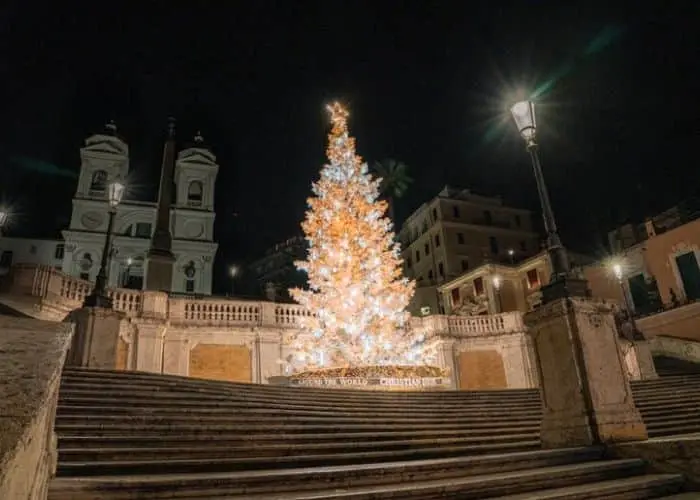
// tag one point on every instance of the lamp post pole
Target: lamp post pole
(497, 293)
(562, 284)
(99, 297)
(617, 269)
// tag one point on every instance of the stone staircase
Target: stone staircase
(129, 435)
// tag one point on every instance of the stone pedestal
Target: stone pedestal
(96, 338)
(645, 360)
(585, 392)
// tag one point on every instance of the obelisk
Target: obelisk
(160, 258)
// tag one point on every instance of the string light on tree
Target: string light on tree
(356, 292)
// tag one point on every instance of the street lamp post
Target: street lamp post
(511, 254)
(3, 220)
(233, 272)
(562, 283)
(98, 297)
(497, 293)
(617, 270)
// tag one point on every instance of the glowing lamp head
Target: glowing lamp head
(497, 282)
(115, 193)
(129, 261)
(617, 270)
(233, 271)
(524, 115)
(511, 252)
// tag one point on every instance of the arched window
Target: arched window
(99, 181)
(194, 194)
(190, 272)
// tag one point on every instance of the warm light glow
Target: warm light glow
(3, 217)
(511, 252)
(356, 290)
(497, 282)
(116, 191)
(233, 271)
(617, 270)
(524, 115)
(129, 261)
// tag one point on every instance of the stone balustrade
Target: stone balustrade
(52, 290)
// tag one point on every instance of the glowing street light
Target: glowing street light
(561, 284)
(98, 297)
(617, 269)
(496, 280)
(233, 271)
(511, 254)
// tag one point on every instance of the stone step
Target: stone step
(181, 466)
(127, 399)
(628, 488)
(127, 407)
(682, 496)
(479, 486)
(179, 439)
(663, 412)
(193, 428)
(336, 395)
(216, 450)
(134, 377)
(236, 419)
(206, 485)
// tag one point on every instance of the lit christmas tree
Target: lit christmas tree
(356, 290)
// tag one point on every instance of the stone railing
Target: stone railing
(471, 326)
(52, 291)
(684, 349)
(679, 322)
(53, 288)
(32, 354)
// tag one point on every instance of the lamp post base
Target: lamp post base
(565, 286)
(98, 300)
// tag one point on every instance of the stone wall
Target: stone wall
(681, 322)
(32, 354)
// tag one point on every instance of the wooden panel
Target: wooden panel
(481, 370)
(231, 363)
(122, 355)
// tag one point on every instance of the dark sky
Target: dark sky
(426, 83)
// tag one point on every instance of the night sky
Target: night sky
(427, 83)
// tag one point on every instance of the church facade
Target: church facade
(105, 158)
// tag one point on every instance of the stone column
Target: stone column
(446, 360)
(585, 392)
(96, 338)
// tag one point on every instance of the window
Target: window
(478, 286)
(32, 249)
(493, 243)
(689, 272)
(85, 276)
(441, 270)
(426, 249)
(430, 274)
(533, 279)
(523, 246)
(437, 241)
(460, 238)
(98, 181)
(455, 296)
(425, 226)
(434, 214)
(488, 218)
(417, 256)
(194, 194)
(6, 259)
(143, 230)
(465, 264)
(189, 286)
(408, 263)
(59, 251)
(518, 222)
(455, 211)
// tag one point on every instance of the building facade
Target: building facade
(458, 231)
(104, 158)
(275, 273)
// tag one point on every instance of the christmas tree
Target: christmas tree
(356, 294)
